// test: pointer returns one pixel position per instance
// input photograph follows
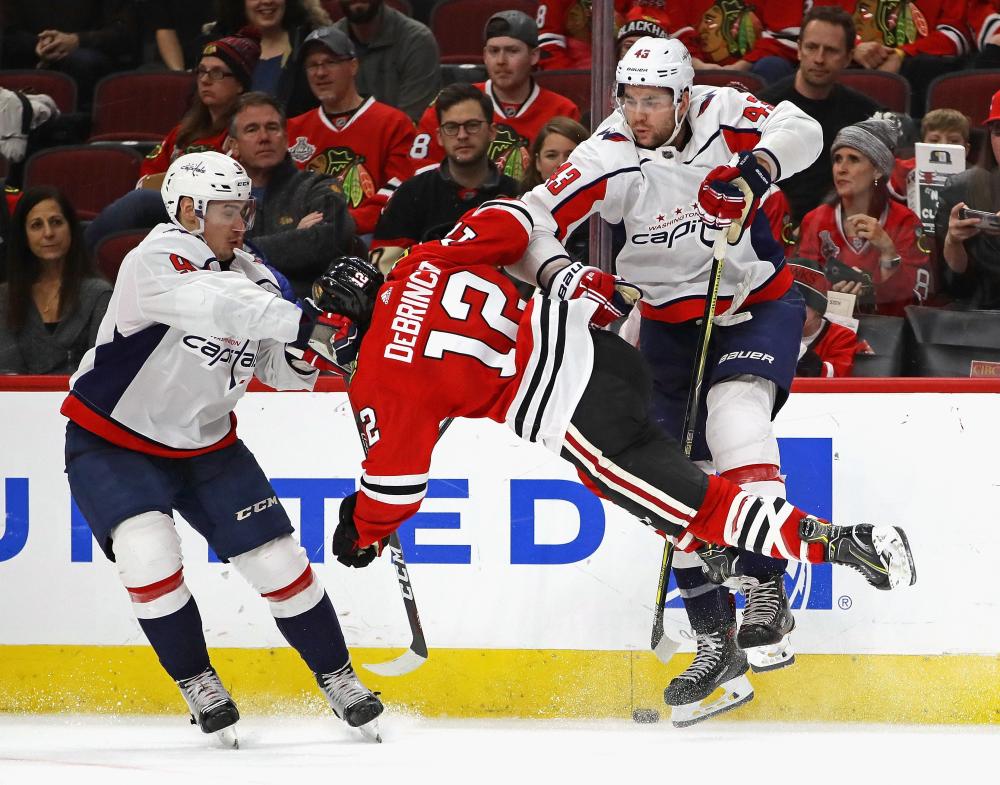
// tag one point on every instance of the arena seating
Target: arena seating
(886, 336)
(967, 91)
(750, 82)
(111, 250)
(91, 176)
(60, 86)
(574, 84)
(946, 342)
(140, 105)
(890, 90)
(458, 24)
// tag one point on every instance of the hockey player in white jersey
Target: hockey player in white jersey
(152, 430)
(667, 163)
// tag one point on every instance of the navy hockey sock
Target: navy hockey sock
(317, 637)
(757, 565)
(708, 606)
(179, 641)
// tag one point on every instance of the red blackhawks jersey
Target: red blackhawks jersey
(516, 126)
(836, 346)
(367, 150)
(983, 18)
(160, 158)
(822, 236)
(451, 337)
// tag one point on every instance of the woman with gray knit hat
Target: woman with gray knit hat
(862, 234)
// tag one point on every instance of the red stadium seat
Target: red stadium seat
(334, 9)
(724, 78)
(458, 25)
(61, 87)
(140, 105)
(967, 91)
(91, 176)
(574, 84)
(111, 250)
(889, 90)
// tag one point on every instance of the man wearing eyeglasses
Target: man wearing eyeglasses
(362, 142)
(427, 206)
(519, 107)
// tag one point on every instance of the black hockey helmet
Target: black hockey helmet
(349, 287)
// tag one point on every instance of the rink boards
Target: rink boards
(535, 597)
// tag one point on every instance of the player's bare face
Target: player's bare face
(473, 133)
(509, 63)
(48, 231)
(225, 225)
(261, 143)
(555, 150)
(822, 53)
(265, 14)
(218, 88)
(853, 174)
(650, 114)
(331, 78)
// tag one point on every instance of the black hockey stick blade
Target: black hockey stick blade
(662, 645)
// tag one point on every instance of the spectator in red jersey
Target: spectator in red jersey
(362, 142)
(939, 126)
(564, 34)
(520, 107)
(864, 236)
(828, 348)
(223, 74)
(983, 21)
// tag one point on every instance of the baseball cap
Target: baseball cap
(335, 41)
(512, 24)
(994, 109)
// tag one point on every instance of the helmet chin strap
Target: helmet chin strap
(678, 120)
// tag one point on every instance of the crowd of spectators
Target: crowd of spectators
(357, 138)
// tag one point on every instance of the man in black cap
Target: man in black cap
(398, 56)
(520, 106)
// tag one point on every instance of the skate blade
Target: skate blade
(894, 550)
(736, 692)
(370, 731)
(771, 658)
(228, 738)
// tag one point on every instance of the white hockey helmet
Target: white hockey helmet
(205, 177)
(656, 62)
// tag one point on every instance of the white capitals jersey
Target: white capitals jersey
(179, 342)
(668, 251)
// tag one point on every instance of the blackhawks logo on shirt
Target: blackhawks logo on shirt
(348, 167)
(509, 151)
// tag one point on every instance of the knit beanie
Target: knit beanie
(642, 26)
(811, 283)
(240, 52)
(875, 139)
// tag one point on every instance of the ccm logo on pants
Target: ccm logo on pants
(263, 504)
(746, 356)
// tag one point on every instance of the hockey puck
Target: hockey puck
(645, 716)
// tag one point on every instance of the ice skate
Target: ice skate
(351, 701)
(212, 708)
(718, 664)
(771, 658)
(767, 619)
(880, 553)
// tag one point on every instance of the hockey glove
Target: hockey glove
(327, 341)
(732, 193)
(345, 538)
(615, 297)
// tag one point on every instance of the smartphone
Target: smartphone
(989, 221)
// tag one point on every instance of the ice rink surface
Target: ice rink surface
(148, 751)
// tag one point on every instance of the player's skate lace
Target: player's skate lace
(204, 692)
(350, 700)
(763, 603)
(705, 659)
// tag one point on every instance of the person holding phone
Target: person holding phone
(967, 231)
(868, 245)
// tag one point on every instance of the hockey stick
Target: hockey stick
(663, 646)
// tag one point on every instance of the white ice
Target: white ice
(85, 750)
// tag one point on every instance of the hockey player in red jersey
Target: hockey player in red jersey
(448, 336)
(360, 141)
(520, 106)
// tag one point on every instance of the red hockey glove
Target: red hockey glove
(732, 193)
(345, 539)
(615, 297)
(327, 341)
